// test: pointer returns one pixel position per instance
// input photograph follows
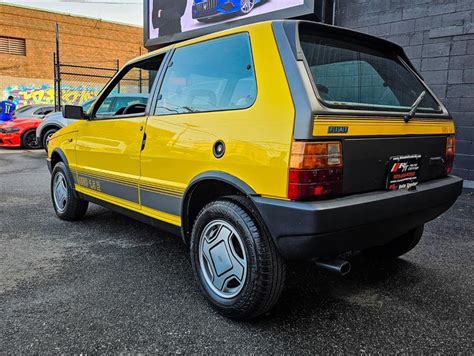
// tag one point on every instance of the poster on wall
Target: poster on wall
(174, 20)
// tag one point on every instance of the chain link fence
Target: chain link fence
(75, 84)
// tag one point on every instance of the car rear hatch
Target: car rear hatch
(362, 91)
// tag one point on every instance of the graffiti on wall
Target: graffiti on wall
(44, 94)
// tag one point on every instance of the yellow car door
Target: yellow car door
(107, 156)
(108, 145)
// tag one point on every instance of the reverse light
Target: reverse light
(450, 152)
(315, 170)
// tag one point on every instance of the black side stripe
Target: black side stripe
(119, 190)
(162, 202)
(154, 198)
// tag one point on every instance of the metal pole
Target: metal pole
(118, 68)
(59, 67)
(55, 86)
(140, 80)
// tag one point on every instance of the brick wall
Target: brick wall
(438, 36)
(83, 41)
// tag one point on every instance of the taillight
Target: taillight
(315, 170)
(450, 152)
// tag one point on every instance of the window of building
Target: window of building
(15, 46)
(210, 76)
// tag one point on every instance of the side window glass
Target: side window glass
(211, 76)
(87, 105)
(124, 101)
(106, 106)
(129, 95)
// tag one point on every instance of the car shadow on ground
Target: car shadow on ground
(309, 292)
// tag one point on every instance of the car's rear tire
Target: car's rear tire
(45, 139)
(28, 140)
(398, 246)
(67, 205)
(235, 261)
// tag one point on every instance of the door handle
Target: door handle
(143, 142)
(141, 128)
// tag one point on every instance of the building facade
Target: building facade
(28, 42)
(438, 37)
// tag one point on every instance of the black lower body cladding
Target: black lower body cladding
(327, 228)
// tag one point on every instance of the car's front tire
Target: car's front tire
(235, 261)
(398, 246)
(66, 204)
(46, 137)
(28, 140)
(246, 6)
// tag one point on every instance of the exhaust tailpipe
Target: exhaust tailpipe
(335, 266)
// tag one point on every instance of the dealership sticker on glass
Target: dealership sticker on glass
(403, 172)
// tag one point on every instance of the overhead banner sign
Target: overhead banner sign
(175, 20)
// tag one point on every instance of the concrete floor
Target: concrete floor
(111, 284)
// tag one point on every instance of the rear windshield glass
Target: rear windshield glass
(349, 74)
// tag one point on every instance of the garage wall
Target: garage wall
(438, 36)
(84, 41)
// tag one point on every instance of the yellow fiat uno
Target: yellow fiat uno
(276, 141)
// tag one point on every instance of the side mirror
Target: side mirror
(74, 112)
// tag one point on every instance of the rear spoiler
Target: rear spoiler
(291, 28)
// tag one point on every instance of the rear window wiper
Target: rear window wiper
(414, 107)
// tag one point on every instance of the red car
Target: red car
(19, 133)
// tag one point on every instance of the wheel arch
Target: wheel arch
(57, 156)
(203, 189)
(48, 127)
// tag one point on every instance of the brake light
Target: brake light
(315, 170)
(450, 152)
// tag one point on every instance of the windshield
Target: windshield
(349, 74)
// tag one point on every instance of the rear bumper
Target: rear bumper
(303, 230)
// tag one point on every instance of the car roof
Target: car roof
(198, 39)
(320, 26)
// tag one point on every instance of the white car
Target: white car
(33, 111)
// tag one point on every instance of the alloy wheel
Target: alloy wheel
(30, 140)
(247, 6)
(48, 137)
(222, 259)
(60, 194)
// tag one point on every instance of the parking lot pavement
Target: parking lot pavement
(109, 283)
